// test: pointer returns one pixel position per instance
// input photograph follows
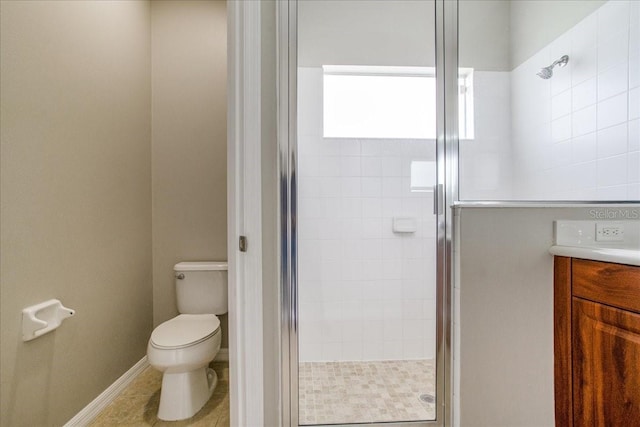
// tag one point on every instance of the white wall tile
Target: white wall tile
(584, 148)
(634, 71)
(371, 166)
(634, 135)
(349, 207)
(392, 186)
(561, 154)
(351, 187)
(584, 121)
(391, 166)
(583, 63)
(414, 349)
(393, 350)
(613, 17)
(584, 94)
(349, 147)
(604, 109)
(332, 351)
(615, 192)
(392, 249)
(371, 187)
(372, 228)
(374, 350)
(634, 167)
(612, 171)
(612, 141)
(583, 175)
(352, 350)
(371, 207)
(613, 81)
(561, 104)
(613, 50)
(612, 111)
(350, 166)
(560, 129)
(634, 103)
(585, 33)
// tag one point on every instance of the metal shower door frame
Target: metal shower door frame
(446, 21)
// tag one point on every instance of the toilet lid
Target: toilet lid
(185, 330)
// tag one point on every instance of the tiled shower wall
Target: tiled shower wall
(576, 135)
(485, 167)
(365, 292)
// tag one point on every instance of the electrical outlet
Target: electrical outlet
(609, 232)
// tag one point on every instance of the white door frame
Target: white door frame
(244, 205)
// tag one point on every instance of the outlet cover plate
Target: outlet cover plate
(609, 232)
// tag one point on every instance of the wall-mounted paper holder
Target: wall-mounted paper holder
(41, 318)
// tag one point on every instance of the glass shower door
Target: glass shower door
(366, 150)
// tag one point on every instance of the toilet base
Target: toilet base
(184, 394)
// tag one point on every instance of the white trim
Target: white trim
(223, 355)
(91, 411)
(244, 213)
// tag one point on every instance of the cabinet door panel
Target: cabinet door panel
(612, 284)
(606, 365)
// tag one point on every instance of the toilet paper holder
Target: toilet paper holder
(41, 318)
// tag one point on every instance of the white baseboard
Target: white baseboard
(86, 415)
(223, 355)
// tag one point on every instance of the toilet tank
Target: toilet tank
(201, 287)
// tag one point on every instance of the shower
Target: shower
(547, 72)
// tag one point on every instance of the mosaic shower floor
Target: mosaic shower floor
(365, 392)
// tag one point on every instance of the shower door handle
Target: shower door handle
(438, 199)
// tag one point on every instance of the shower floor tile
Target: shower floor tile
(365, 392)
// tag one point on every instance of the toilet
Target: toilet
(181, 348)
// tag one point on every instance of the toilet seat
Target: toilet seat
(185, 330)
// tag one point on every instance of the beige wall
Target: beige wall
(536, 23)
(484, 34)
(366, 32)
(189, 142)
(505, 306)
(270, 273)
(76, 199)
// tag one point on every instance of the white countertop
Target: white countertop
(619, 256)
(580, 239)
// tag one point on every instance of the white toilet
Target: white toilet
(182, 347)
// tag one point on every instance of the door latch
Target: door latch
(242, 244)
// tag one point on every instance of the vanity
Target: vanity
(596, 333)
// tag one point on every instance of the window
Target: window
(386, 102)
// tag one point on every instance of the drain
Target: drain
(427, 398)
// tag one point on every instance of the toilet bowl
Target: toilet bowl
(182, 348)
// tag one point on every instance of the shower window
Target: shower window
(379, 102)
(388, 102)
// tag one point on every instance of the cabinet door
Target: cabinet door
(606, 365)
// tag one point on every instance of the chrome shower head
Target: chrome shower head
(547, 72)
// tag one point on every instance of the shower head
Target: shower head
(547, 72)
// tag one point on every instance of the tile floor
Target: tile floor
(365, 392)
(137, 405)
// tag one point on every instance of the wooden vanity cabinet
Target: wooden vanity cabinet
(596, 343)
